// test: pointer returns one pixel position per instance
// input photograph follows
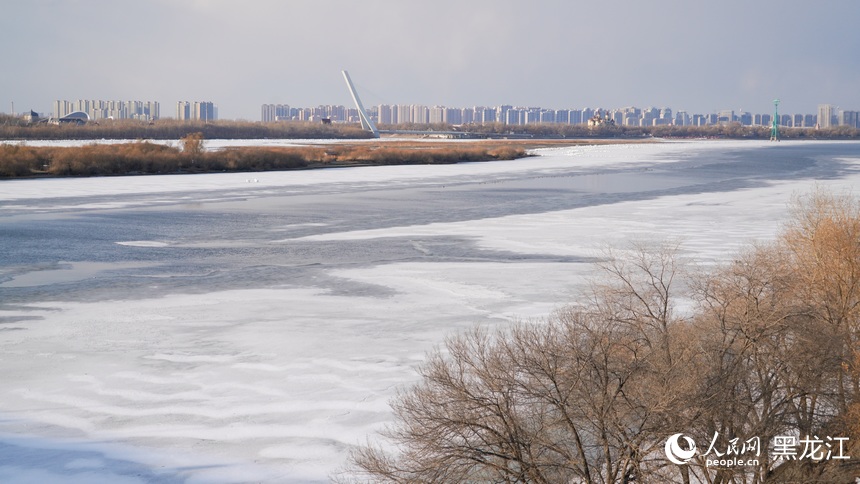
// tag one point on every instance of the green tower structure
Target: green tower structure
(774, 128)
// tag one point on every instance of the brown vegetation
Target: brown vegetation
(151, 158)
(413, 153)
(770, 348)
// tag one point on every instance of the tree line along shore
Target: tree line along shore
(13, 128)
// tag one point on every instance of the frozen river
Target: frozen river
(252, 327)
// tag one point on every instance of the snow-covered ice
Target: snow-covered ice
(199, 374)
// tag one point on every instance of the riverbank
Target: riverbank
(146, 157)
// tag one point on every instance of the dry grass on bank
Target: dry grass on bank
(150, 158)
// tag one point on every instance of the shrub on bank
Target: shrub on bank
(16, 161)
(129, 158)
(255, 159)
(428, 155)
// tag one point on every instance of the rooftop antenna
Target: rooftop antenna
(366, 122)
(774, 129)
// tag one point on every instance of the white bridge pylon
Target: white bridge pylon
(366, 122)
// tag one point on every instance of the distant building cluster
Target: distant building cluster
(98, 109)
(276, 112)
(827, 116)
(283, 112)
(196, 111)
(141, 110)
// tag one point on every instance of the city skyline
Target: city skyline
(695, 57)
(825, 116)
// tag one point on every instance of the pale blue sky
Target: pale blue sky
(697, 56)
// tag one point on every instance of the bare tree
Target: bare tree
(822, 240)
(780, 327)
(770, 346)
(749, 335)
(582, 397)
(192, 145)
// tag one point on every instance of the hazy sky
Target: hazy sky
(685, 54)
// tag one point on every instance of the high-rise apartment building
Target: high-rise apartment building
(586, 114)
(196, 111)
(849, 118)
(384, 114)
(275, 112)
(502, 113)
(404, 114)
(467, 116)
(512, 116)
(420, 114)
(205, 111)
(546, 116)
(453, 116)
(437, 115)
(826, 114)
(183, 110)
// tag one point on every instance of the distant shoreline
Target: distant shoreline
(169, 129)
